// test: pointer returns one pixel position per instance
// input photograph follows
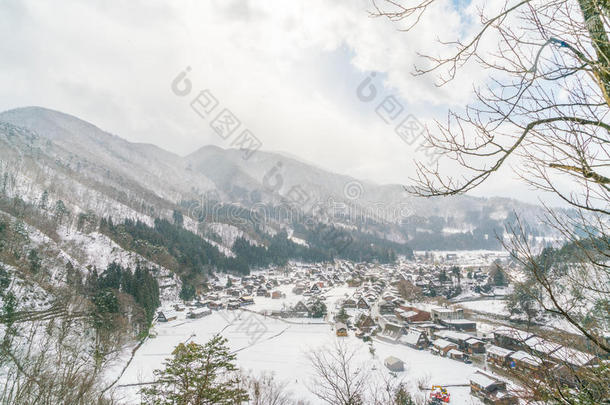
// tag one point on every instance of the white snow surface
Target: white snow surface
(282, 349)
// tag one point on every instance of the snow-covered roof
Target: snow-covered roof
(442, 343)
(542, 345)
(451, 334)
(513, 333)
(410, 338)
(455, 352)
(391, 360)
(572, 356)
(483, 380)
(498, 351)
(525, 358)
(458, 321)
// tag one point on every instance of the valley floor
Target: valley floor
(265, 344)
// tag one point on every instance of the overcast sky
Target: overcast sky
(288, 70)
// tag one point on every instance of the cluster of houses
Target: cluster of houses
(528, 353)
(375, 308)
(230, 294)
(379, 311)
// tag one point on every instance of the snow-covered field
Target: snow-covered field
(282, 349)
(265, 344)
(496, 307)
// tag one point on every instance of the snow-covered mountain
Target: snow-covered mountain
(92, 170)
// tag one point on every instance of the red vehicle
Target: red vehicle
(439, 395)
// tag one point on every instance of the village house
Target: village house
(498, 356)
(233, 304)
(354, 282)
(510, 338)
(341, 329)
(474, 345)
(568, 360)
(301, 308)
(443, 314)
(365, 323)
(429, 328)
(262, 292)
(523, 361)
(363, 304)
(460, 325)
(166, 316)
(386, 307)
(539, 346)
(391, 331)
(461, 340)
(456, 355)
(215, 305)
(443, 346)
(349, 303)
(198, 313)
(412, 314)
(415, 339)
(394, 364)
(490, 389)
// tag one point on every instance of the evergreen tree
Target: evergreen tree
(105, 307)
(60, 211)
(34, 260)
(44, 200)
(178, 218)
(317, 309)
(74, 278)
(342, 316)
(5, 280)
(187, 292)
(198, 375)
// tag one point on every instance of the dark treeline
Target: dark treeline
(326, 241)
(426, 233)
(338, 242)
(174, 247)
(106, 289)
(279, 250)
(170, 245)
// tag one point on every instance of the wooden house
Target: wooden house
(490, 389)
(462, 325)
(386, 307)
(341, 329)
(443, 346)
(456, 354)
(363, 304)
(474, 345)
(350, 303)
(300, 307)
(415, 339)
(198, 313)
(523, 361)
(365, 323)
(166, 316)
(498, 356)
(394, 364)
(511, 338)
